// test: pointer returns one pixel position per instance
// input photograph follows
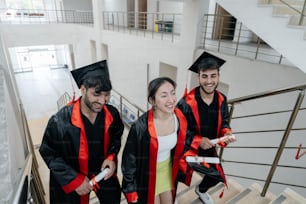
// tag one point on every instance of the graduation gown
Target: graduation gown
(65, 150)
(140, 158)
(189, 106)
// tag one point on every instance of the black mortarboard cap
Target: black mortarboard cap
(206, 61)
(93, 70)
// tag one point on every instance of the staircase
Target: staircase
(234, 194)
(274, 23)
(237, 194)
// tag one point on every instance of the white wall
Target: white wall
(130, 54)
(77, 5)
(129, 57)
(115, 5)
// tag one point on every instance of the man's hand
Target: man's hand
(112, 167)
(84, 188)
(228, 139)
(206, 143)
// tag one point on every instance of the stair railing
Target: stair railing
(156, 25)
(301, 89)
(224, 34)
(129, 111)
(28, 188)
(45, 16)
(301, 13)
(63, 100)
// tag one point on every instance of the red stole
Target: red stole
(76, 119)
(192, 102)
(179, 149)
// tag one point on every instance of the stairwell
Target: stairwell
(275, 23)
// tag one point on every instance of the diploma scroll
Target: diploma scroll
(99, 177)
(221, 139)
(197, 159)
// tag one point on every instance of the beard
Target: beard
(208, 92)
(90, 105)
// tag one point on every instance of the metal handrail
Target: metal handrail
(123, 102)
(152, 24)
(283, 142)
(301, 88)
(124, 106)
(302, 13)
(267, 93)
(118, 21)
(45, 16)
(238, 41)
(29, 171)
(63, 100)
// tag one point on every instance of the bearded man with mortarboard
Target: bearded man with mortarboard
(82, 139)
(206, 110)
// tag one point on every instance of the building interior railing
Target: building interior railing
(299, 7)
(219, 33)
(224, 34)
(27, 185)
(153, 25)
(43, 16)
(295, 94)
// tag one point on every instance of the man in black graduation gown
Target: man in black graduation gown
(83, 138)
(206, 110)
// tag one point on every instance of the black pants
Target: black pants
(109, 191)
(207, 183)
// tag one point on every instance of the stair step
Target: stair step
(186, 194)
(290, 2)
(294, 21)
(233, 190)
(283, 10)
(252, 195)
(289, 196)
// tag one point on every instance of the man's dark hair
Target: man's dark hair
(101, 83)
(208, 63)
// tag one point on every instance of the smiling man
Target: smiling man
(83, 138)
(206, 110)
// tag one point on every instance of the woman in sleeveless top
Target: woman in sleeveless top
(154, 148)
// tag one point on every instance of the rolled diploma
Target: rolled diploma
(217, 140)
(99, 177)
(213, 160)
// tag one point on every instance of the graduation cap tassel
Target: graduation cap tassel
(186, 86)
(73, 91)
(185, 91)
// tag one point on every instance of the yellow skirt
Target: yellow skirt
(163, 176)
